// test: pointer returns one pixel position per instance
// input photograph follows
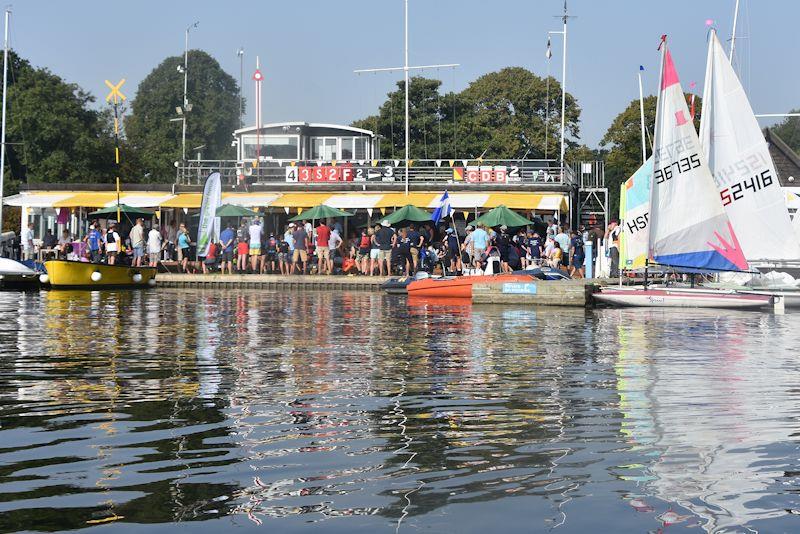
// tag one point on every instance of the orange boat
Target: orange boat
(459, 287)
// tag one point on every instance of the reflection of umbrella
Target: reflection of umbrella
(130, 211)
(231, 210)
(501, 215)
(320, 212)
(407, 214)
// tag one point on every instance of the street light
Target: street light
(240, 53)
(185, 71)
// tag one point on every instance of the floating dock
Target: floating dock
(576, 293)
(270, 281)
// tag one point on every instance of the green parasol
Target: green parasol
(130, 211)
(501, 215)
(320, 212)
(406, 215)
(231, 210)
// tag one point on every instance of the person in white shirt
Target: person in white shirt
(113, 244)
(27, 243)
(154, 245)
(334, 242)
(255, 244)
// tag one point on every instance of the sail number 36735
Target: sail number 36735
(682, 165)
(738, 190)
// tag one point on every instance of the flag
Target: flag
(443, 209)
(549, 53)
(641, 67)
(208, 227)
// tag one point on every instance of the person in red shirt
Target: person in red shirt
(323, 252)
(242, 251)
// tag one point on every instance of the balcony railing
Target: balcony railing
(434, 173)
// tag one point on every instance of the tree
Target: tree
(623, 140)
(214, 97)
(500, 115)
(789, 130)
(507, 112)
(53, 135)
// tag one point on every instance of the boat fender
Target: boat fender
(137, 278)
(43, 278)
(151, 282)
(97, 276)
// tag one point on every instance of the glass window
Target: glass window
(361, 148)
(316, 147)
(330, 148)
(278, 147)
(347, 148)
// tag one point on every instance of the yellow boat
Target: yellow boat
(85, 275)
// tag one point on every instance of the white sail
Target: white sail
(739, 160)
(688, 224)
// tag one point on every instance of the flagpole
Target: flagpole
(563, 90)
(641, 114)
(405, 71)
(733, 33)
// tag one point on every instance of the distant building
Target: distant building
(787, 162)
(304, 141)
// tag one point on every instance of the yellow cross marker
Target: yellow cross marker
(115, 91)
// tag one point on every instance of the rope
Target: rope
(424, 123)
(391, 120)
(547, 112)
(455, 128)
(439, 113)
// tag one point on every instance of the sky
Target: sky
(309, 48)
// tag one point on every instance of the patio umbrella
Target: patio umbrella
(501, 215)
(129, 211)
(320, 212)
(406, 215)
(231, 210)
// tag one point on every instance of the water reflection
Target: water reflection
(261, 409)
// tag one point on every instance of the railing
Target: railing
(592, 174)
(420, 172)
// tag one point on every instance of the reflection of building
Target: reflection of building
(305, 141)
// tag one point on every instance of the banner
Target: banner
(634, 214)
(208, 228)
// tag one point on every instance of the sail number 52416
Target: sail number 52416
(737, 191)
(682, 165)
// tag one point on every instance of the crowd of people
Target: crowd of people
(321, 248)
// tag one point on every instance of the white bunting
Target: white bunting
(361, 162)
(397, 163)
(286, 209)
(438, 163)
(280, 163)
(369, 211)
(464, 162)
(319, 164)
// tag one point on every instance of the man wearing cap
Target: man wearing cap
(415, 239)
(323, 251)
(453, 252)
(227, 238)
(113, 244)
(480, 240)
(95, 241)
(385, 238)
(300, 254)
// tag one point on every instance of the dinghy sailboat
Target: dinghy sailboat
(688, 228)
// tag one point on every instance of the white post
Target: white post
(563, 92)
(185, 97)
(641, 114)
(405, 70)
(3, 127)
(733, 34)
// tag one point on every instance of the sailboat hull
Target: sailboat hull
(681, 298)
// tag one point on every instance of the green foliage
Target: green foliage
(789, 131)
(500, 115)
(214, 97)
(53, 135)
(623, 142)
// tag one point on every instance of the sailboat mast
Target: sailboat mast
(3, 126)
(641, 117)
(656, 138)
(733, 32)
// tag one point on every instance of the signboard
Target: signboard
(519, 288)
(492, 174)
(346, 172)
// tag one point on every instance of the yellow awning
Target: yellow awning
(184, 200)
(88, 199)
(527, 201)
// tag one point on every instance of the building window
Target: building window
(323, 148)
(272, 146)
(347, 148)
(361, 148)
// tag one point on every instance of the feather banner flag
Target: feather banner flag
(549, 52)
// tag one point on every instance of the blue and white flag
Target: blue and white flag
(443, 209)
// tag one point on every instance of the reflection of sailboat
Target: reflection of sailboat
(708, 427)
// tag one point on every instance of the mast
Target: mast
(564, 89)
(733, 32)
(641, 117)
(405, 71)
(3, 127)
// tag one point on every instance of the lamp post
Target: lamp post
(185, 69)
(240, 53)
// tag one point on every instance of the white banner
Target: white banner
(208, 228)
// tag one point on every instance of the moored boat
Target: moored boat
(78, 274)
(654, 297)
(459, 286)
(14, 275)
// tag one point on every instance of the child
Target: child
(283, 256)
(242, 252)
(211, 258)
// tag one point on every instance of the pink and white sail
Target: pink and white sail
(688, 224)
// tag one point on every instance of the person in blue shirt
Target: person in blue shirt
(227, 238)
(480, 241)
(535, 246)
(577, 255)
(95, 241)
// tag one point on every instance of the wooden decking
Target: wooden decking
(270, 281)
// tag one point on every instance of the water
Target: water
(269, 412)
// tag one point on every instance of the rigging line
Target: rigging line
(455, 126)
(424, 118)
(439, 113)
(391, 120)
(547, 112)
